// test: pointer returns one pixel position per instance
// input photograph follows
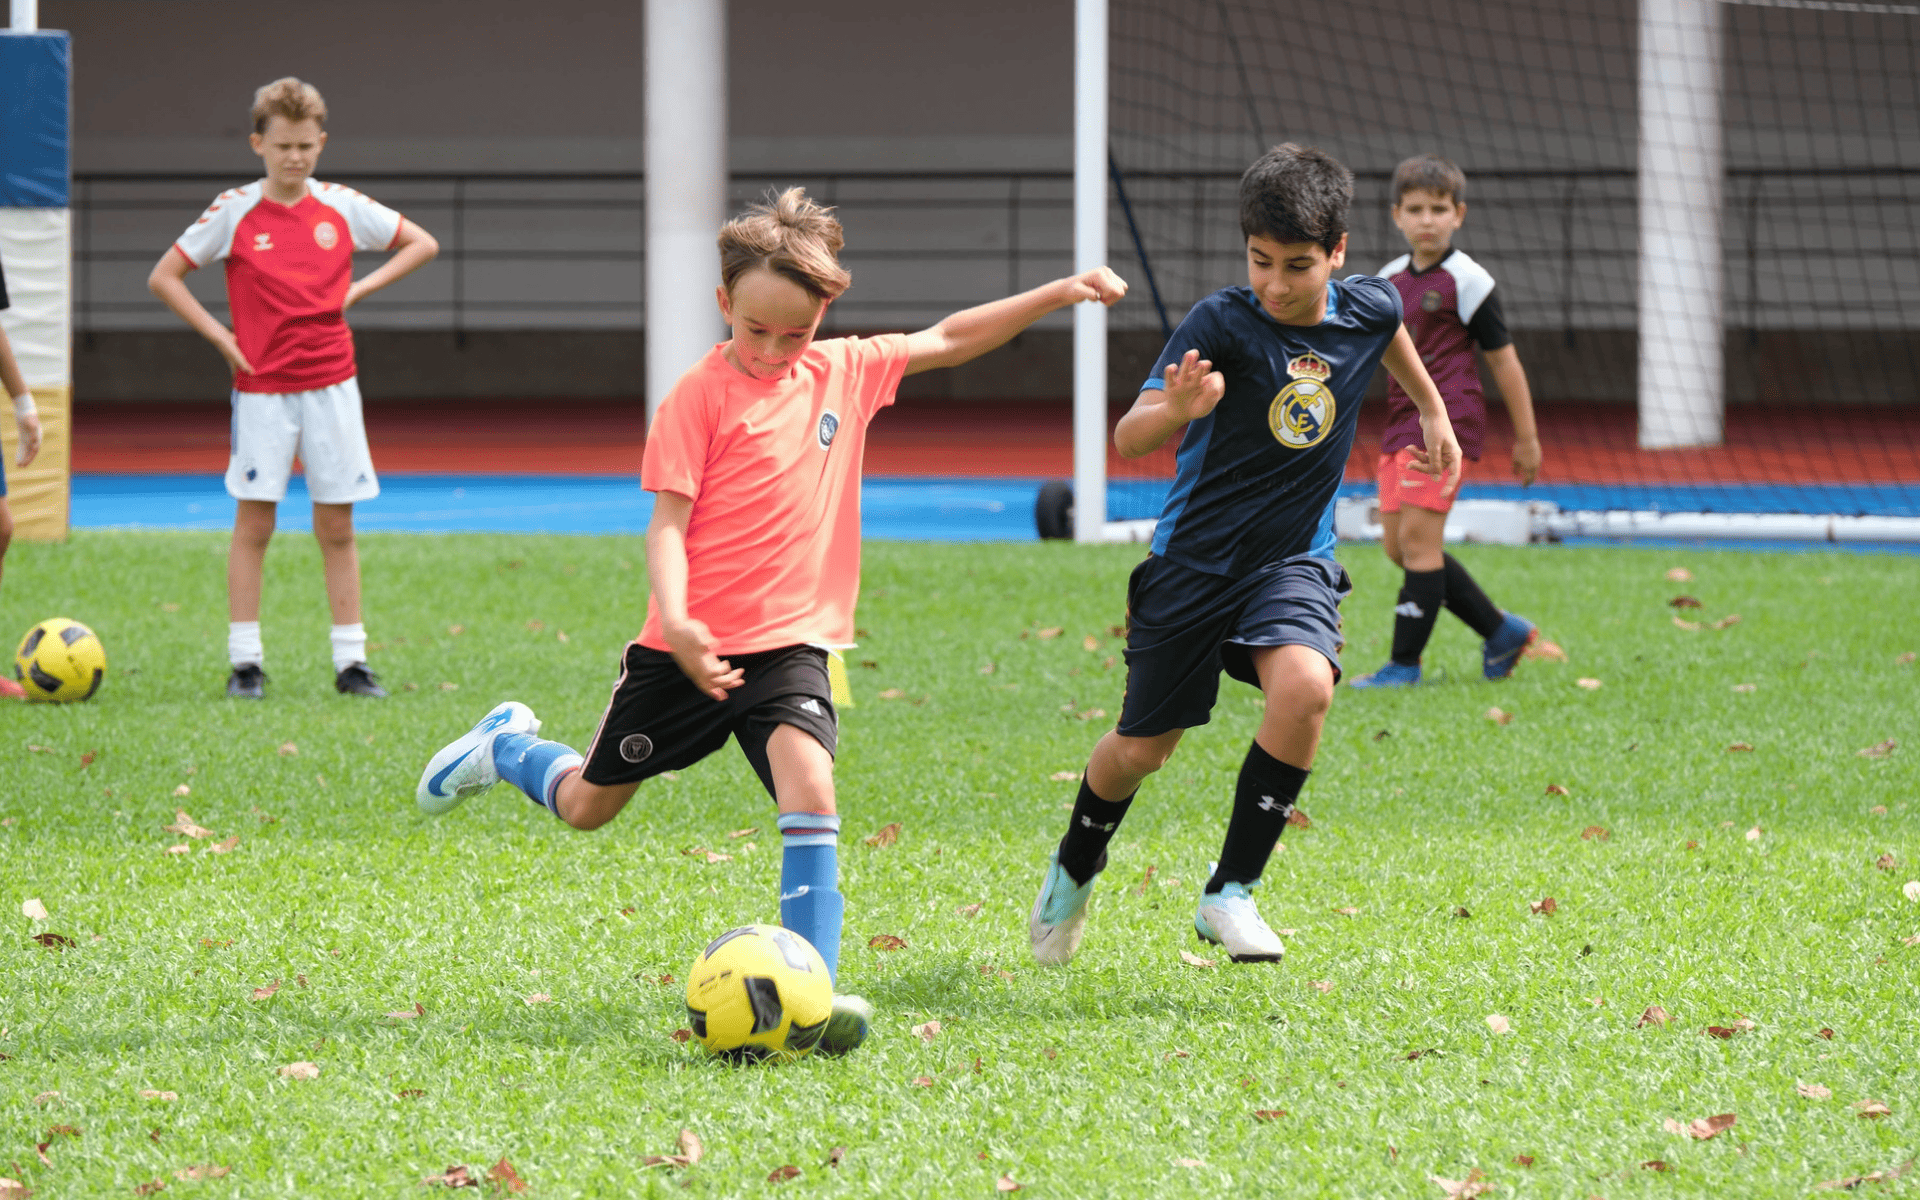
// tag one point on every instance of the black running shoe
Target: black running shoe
(248, 682)
(356, 680)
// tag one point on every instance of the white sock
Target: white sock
(349, 646)
(243, 643)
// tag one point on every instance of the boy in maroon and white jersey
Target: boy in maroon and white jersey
(288, 242)
(1450, 306)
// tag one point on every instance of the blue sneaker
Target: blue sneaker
(1392, 675)
(1500, 654)
(464, 767)
(1059, 914)
(1229, 920)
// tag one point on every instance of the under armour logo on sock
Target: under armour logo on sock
(1269, 804)
(1090, 823)
(1408, 609)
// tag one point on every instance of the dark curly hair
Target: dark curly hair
(1296, 193)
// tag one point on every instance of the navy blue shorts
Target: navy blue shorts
(1185, 626)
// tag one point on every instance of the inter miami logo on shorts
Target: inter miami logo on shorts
(636, 747)
(1302, 413)
(829, 425)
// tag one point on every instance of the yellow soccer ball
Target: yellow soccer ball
(60, 660)
(759, 991)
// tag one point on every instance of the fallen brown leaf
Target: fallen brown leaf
(1879, 749)
(1499, 1024)
(46, 1098)
(1813, 1091)
(150, 1187)
(989, 669)
(1701, 1128)
(1683, 602)
(1190, 1163)
(1682, 623)
(1269, 1114)
(1726, 621)
(1554, 789)
(1322, 985)
(782, 1174)
(1173, 1054)
(1722, 1032)
(184, 825)
(54, 941)
(408, 1014)
(714, 857)
(1049, 633)
(923, 1081)
(928, 1031)
(1827, 1034)
(1523, 1160)
(1596, 1001)
(1911, 890)
(410, 1093)
(537, 998)
(886, 941)
(691, 1152)
(201, 1171)
(1475, 1184)
(1739, 747)
(1546, 905)
(1545, 650)
(502, 1175)
(182, 848)
(301, 1070)
(1064, 777)
(836, 1156)
(749, 831)
(1194, 960)
(266, 993)
(1847, 1184)
(288, 750)
(1594, 832)
(1348, 911)
(1006, 1184)
(1654, 1164)
(1146, 880)
(1911, 941)
(683, 1036)
(1499, 716)
(1886, 862)
(1592, 685)
(1873, 1110)
(1298, 819)
(1905, 660)
(887, 836)
(33, 749)
(1744, 688)
(226, 844)
(1462, 912)
(1090, 643)
(153, 1094)
(33, 910)
(1679, 575)
(970, 910)
(1655, 1015)
(456, 1176)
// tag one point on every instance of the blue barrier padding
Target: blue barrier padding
(36, 70)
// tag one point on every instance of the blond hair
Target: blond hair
(290, 98)
(791, 236)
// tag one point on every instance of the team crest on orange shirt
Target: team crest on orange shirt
(829, 425)
(1302, 413)
(326, 235)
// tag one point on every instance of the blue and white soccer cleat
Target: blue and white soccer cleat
(1059, 914)
(1229, 920)
(1500, 654)
(464, 767)
(1392, 675)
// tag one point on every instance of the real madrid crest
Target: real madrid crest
(1302, 413)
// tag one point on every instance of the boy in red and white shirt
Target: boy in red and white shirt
(288, 242)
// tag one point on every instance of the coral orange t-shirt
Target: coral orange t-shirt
(773, 470)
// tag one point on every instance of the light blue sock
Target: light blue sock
(534, 766)
(810, 901)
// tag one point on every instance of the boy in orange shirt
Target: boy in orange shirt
(754, 559)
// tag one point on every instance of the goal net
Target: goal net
(1700, 216)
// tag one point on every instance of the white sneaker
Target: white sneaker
(1230, 920)
(1059, 914)
(464, 767)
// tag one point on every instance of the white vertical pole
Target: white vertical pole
(1089, 251)
(26, 16)
(686, 164)
(1682, 382)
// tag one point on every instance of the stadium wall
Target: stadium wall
(977, 86)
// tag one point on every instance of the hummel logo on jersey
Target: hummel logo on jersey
(1269, 804)
(812, 706)
(1407, 608)
(262, 241)
(1090, 823)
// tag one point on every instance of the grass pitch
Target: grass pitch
(489, 985)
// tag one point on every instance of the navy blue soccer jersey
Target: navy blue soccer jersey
(1257, 476)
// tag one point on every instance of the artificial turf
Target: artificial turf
(1727, 887)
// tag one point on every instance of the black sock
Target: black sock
(1466, 601)
(1083, 852)
(1262, 800)
(1421, 597)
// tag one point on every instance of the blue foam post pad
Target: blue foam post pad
(36, 71)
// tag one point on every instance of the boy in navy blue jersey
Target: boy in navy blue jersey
(1451, 306)
(1269, 377)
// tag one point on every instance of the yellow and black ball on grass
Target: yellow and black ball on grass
(759, 991)
(60, 660)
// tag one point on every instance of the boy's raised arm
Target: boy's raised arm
(971, 332)
(1193, 389)
(1440, 457)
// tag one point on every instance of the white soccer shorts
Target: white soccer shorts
(324, 427)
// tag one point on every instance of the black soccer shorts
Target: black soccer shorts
(1185, 626)
(658, 721)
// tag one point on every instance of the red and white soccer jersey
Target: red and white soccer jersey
(288, 269)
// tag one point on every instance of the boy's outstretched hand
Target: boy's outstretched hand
(1098, 284)
(692, 645)
(1193, 387)
(1440, 457)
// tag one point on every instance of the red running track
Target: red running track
(1024, 439)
